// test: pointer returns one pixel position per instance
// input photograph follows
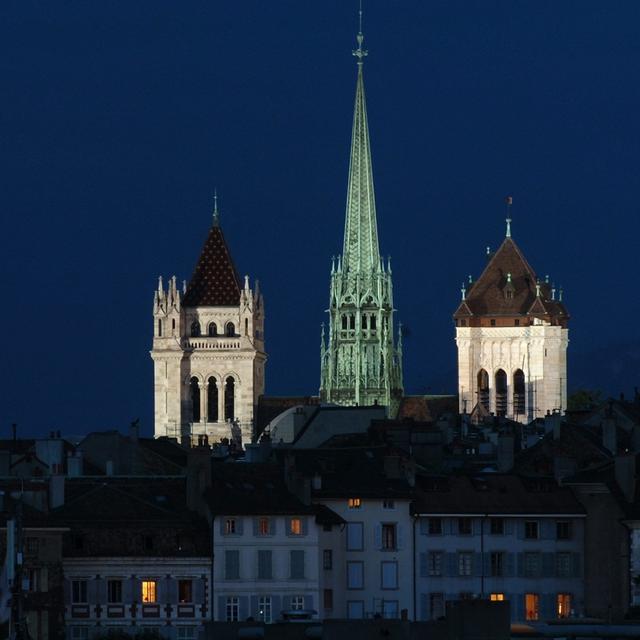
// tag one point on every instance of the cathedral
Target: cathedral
(208, 349)
(360, 364)
(512, 337)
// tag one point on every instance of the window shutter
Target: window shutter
(161, 594)
(509, 567)
(424, 527)
(476, 526)
(577, 565)
(244, 607)
(101, 588)
(136, 590)
(92, 590)
(232, 565)
(424, 566)
(424, 606)
(255, 609)
(305, 526)
(400, 536)
(377, 537)
(308, 602)
(256, 528)
(264, 565)
(548, 565)
(446, 526)
(198, 590)
(452, 564)
(276, 607)
(272, 526)
(548, 606)
(297, 564)
(239, 526)
(520, 560)
(222, 608)
(481, 564)
(172, 590)
(548, 529)
(517, 607)
(222, 520)
(508, 526)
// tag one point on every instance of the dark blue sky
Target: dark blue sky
(118, 119)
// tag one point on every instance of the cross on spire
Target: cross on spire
(360, 53)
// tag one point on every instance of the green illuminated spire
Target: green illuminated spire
(360, 365)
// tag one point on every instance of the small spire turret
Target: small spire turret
(509, 201)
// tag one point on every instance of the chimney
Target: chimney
(74, 464)
(625, 470)
(56, 491)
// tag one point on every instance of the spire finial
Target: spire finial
(216, 214)
(360, 53)
(509, 201)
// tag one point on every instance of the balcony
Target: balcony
(209, 342)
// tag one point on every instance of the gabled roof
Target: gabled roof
(486, 296)
(214, 282)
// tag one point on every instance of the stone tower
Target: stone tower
(208, 350)
(360, 365)
(512, 337)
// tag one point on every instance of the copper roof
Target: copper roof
(214, 282)
(487, 296)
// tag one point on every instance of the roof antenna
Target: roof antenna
(360, 53)
(509, 201)
(216, 214)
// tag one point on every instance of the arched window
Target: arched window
(246, 326)
(229, 399)
(213, 329)
(173, 326)
(364, 320)
(518, 392)
(501, 393)
(344, 323)
(230, 330)
(159, 327)
(212, 400)
(483, 388)
(352, 321)
(195, 329)
(195, 399)
(372, 323)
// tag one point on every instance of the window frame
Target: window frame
(494, 529)
(82, 596)
(465, 526)
(528, 524)
(327, 559)
(497, 564)
(182, 582)
(355, 563)
(432, 529)
(354, 503)
(151, 586)
(389, 536)
(232, 609)
(395, 582)
(349, 527)
(465, 564)
(564, 524)
(535, 600)
(434, 569)
(114, 584)
(265, 609)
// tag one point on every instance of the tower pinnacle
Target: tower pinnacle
(216, 214)
(360, 53)
(509, 201)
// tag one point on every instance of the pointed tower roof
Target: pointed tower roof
(508, 269)
(361, 251)
(215, 282)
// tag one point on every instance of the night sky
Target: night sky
(118, 120)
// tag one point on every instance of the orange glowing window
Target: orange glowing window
(354, 503)
(295, 527)
(563, 605)
(497, 597)
(263, 526)
(149, 591)
(532, 606)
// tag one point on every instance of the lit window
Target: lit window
(232, 609)
(149, 591)
(185, 591)
(532, 606)
(230, 526)
(389, 537)
(563, 605)
(263, 526)
(354, 503)
(295, 527)
(496, 597)
(264, 608)
(297, 603)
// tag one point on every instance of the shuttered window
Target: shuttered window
(265, 571)
(297, 564)
(232, 565)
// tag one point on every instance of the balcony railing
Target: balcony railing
(207, 342)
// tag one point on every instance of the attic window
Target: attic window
(230, 526)
(354, 503)
(508, 294)
(493, 322)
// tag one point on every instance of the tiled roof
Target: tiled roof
(487, 296)
(214, 282)
(493, 494)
